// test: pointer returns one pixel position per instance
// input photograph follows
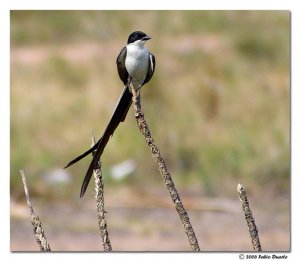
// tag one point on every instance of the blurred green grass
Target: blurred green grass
(221, 91)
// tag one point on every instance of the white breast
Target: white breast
(137, 63)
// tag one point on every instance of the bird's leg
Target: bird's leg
(129, 81)
(138, 90)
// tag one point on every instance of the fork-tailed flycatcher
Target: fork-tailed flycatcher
(135, 65)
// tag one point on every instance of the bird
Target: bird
(136, 66)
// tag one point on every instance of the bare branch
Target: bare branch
(37, 225)
(249, 218)
(99, 188)
(143, 127)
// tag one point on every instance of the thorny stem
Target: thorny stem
(162, 166)
(249, 218)
(99, 188)
(37, 225)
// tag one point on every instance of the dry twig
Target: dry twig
(143, 127)
(99, 188)
(249, 218)
(37, 225)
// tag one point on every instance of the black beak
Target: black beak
(146, 38)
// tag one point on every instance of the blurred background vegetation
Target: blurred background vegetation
(218, 104)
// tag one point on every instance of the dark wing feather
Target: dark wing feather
(151, 67)
(121, 65)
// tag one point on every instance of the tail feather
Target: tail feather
(118, 116)
(83, 155)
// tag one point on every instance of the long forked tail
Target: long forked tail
(83, 155)
(118, 116)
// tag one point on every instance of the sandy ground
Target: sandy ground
(152, 224)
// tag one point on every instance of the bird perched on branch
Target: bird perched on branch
(135, 66)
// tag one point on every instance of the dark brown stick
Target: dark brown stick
(249, 218)
(99, 188)
(37, 225)
(143, 127)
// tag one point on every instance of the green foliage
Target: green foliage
(69, 74)
(218, 104)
